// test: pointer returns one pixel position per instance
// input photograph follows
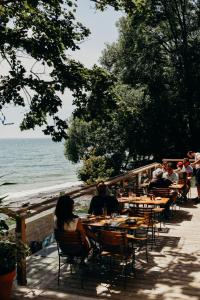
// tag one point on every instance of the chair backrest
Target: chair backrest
(139, 191)
(144, 212)
(113, 241)
(160, 192)
(69, 242)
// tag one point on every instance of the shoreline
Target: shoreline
(37, 197)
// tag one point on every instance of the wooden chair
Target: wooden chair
(148, 226)
(71, 247)
(114, 244)
(139, 239)
(160, 192)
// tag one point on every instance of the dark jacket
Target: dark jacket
(160, 183)
(98, 203)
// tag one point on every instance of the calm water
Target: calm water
(30, 166)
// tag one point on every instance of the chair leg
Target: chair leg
(58, 269)
(133, 263)
(147, 251)
(125, 273)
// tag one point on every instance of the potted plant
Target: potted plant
(11, 251)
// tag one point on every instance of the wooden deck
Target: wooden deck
(173, 271)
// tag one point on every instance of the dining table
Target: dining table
(144, 200)
(177, 186)
(124, 222)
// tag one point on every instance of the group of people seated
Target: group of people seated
(103, 203)
(66, 220)
(165, 175)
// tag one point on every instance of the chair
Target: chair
(165, 193)
(139, 239)
(71, 247)
(114, 244)
(160, 192)
(148, 226)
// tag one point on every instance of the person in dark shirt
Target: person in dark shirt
(103, 203)
(159, 181)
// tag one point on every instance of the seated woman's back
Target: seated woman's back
(66, 221)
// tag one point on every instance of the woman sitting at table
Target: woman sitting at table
(66, 220)
(103, 203)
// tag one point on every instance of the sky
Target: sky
(103, 30)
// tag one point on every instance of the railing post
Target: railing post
(139, 178)
(20, 232)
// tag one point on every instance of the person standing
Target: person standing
(196, 165)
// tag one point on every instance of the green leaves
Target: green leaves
(34, 38)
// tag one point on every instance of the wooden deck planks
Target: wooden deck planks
(173, 271)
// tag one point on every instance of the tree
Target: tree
(156, 95)
(40, 32)
(158, 49)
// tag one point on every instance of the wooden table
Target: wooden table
(121, 222)
(177, 186)
(142, 200)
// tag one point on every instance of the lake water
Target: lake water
(29, 166)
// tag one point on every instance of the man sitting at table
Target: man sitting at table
(170, 174)
(159, 181)
(103, 203)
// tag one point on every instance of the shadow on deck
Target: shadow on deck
(173, 270)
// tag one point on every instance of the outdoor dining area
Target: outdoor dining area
(145, 247)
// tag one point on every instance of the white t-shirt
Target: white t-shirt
(197, 157)
(173, 177)
(155, 172)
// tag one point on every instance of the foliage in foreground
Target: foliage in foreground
(11, 250)
(36, 38)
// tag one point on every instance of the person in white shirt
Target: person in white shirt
(171, 175)
(157, 171)
(196, 165)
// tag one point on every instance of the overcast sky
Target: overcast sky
(103, 30)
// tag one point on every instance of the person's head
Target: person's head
(170, 169)
(159, 174)
(180, 165)
(186, 161)
(64, 210)
(101, 188)
(191, 154)
(165, 165)
(159, 166)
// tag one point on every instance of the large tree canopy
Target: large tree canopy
(159, 50)
(35, 37)
(157, 63)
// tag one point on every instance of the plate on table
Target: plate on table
(158, 198)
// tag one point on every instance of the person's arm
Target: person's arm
(176, 177)
(196, 162)
(116, 204)
(91, 209)
(82, 232)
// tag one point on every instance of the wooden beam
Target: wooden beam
(20, 232)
